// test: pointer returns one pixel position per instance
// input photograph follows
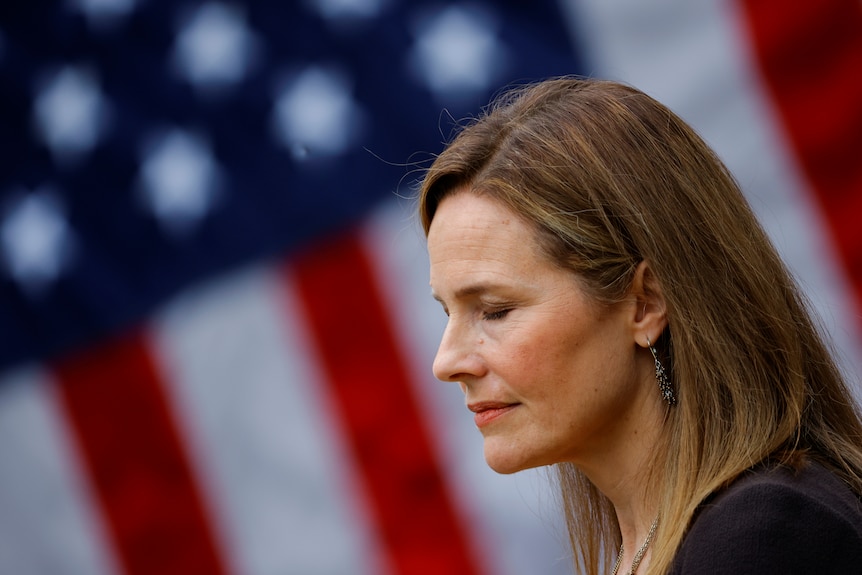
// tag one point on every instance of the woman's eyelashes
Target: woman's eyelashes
(487, 312)
(496, 314)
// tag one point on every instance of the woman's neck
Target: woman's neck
(624, 472)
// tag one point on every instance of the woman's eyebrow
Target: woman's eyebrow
(469, 290)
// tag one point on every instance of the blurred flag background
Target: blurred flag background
(215, 326)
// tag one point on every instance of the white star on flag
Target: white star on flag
(215, 47)
(316, 115)
(36, 240)
(457, 52)
(346, 9)
(104, 13)
(70, 113)
(180, 180)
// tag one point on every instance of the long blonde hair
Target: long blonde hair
(609, 177)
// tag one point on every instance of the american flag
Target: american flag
(215, 324)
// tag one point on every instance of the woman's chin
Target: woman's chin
(505, 462)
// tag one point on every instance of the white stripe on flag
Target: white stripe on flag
(695, 57)
(511, 518)
(266, 445)
(49, 523)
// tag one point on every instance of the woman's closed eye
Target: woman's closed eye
(496, 314)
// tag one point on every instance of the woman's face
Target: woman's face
(549, 372)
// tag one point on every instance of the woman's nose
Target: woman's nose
(458, 356)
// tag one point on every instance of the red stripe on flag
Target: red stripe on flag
(131, 447)
(386, 431)
(810, 54)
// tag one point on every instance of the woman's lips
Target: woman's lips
(486, 412)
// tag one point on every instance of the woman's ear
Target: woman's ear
(650, 313)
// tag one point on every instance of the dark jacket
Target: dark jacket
(776, 520)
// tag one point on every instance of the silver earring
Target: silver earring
(664, 384)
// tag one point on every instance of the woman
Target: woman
(616, 310)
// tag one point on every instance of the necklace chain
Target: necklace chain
(639, 555)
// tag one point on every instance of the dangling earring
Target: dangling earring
(664, 384)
